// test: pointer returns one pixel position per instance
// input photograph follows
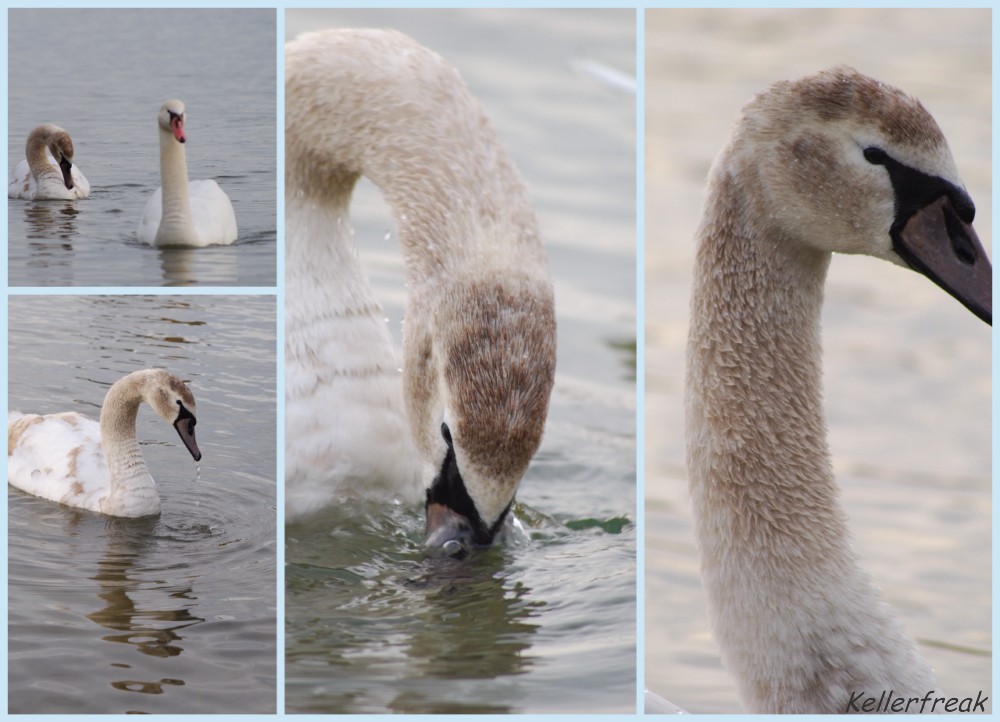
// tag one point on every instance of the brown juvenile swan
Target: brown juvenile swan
(834, 162)
(76, 461)
(479, 335)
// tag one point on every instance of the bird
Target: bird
(182, 212)
(832, 162)
(48, 172)
(464, 418)
(71, 459)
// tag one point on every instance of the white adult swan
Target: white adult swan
(183, 213)
(479, 337)
(71, 459)
(832, 162)
(47, 172)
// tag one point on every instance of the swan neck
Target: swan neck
(126, 465)
(175, 223)
(35, 151)
(790, 606)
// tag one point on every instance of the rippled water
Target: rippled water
(221, 63)
(907, 369)
(547, 624)
(173, 614)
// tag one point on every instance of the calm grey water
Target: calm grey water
(548, 625)
(103, 77)
(907, 368)
(174, 614)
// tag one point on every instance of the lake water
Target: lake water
(907, 368)
(547, 625)
(172, 614)
(221, 63)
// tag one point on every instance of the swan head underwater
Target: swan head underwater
(494, 383)
(171, 119)
(867, 170)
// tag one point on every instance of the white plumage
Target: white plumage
(71, 459)
(182, 212)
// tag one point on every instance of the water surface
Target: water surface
(907, 368)
(221, 63)
(548, 624)
(172, 614)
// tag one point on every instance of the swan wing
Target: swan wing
(212, 213)
(150, 222)
(20, 183)
(57, 457)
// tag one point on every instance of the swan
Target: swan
(479, 335)
(47, 172)
(833, 162)
(182, 212)
(76, 461)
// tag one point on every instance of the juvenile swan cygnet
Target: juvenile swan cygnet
(832, 162)
(183, 213)
(47, 172)
(71, 459)
(479, 337)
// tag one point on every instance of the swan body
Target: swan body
(832, 162)
(468, 413)
(182, 212)
(72, 459)
(47, 171)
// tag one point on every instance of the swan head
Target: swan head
(844, 163)
(171, 119)
(173, 401)
(481, 395)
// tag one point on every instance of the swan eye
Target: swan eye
(183, 413)
(876, 156)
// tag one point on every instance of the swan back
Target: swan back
(479, 337)
(74, 460)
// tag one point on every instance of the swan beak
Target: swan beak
(936, 242)
(449, 531)
(66, 167)
(185, 428)
(177, 125)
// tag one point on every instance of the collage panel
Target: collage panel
(462, 367)
(141, 579)
(498, 151)
(117, 117)
(807, 594)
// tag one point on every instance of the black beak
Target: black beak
(939, 243)
(66, 167)
(185, 428)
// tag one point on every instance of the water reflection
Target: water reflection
(176, 265)
(153, 625)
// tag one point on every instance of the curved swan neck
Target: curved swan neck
(800, 625)
(412, 127)
(130, 478)
(175, 223)
(35, 151)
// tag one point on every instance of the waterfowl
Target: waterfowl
(47, 172)
(833, 162)
(478, 367)
(72, 459)
(182, 212)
